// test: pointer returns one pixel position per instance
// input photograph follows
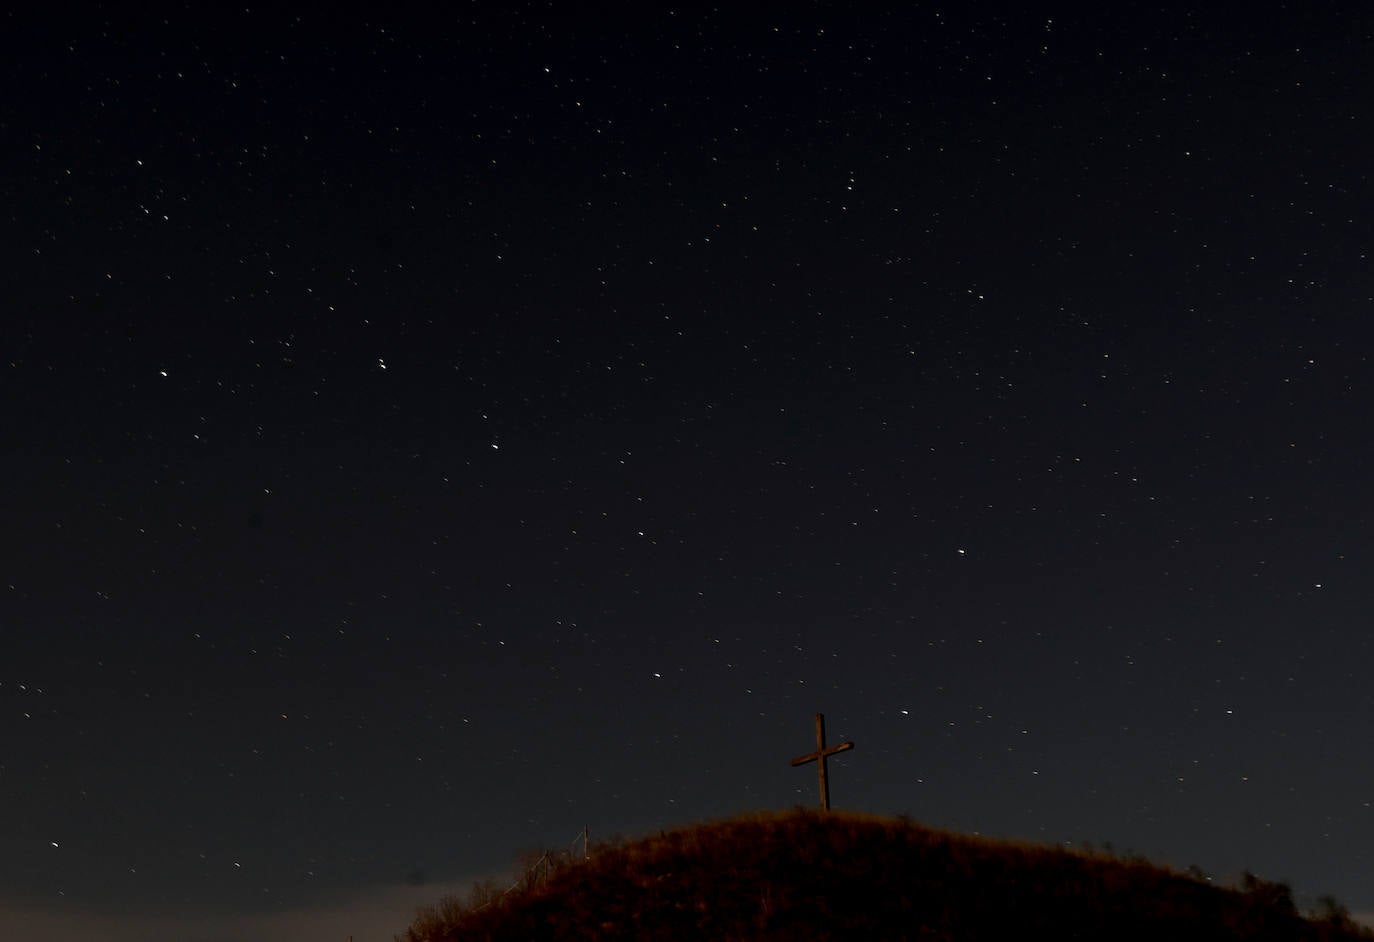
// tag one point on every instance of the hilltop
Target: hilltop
(828, 875)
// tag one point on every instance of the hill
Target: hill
(830, 875)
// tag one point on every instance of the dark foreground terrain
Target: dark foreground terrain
(816, 875)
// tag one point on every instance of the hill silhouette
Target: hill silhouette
(817, 875)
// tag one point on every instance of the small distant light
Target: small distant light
(54, 843)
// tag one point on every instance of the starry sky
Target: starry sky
(426, 435)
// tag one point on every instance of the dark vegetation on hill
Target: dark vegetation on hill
(829, 875)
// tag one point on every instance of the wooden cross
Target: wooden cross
(819, 757)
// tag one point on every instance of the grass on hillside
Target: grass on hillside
(829, 875)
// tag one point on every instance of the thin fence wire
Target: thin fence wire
(531, 873)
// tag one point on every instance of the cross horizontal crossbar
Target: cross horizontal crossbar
(828, 751)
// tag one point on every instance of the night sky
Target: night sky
(424, 436)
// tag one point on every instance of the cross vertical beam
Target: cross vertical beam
(819, 756)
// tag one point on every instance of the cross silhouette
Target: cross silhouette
(820, 755)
